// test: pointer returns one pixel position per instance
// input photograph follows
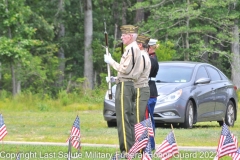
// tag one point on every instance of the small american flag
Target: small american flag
(142, 126)
(168, 148)
(226, 143)
(236, 155)
(138, 145)
(3, 129)
(75, 134)
(115, 157)
(18, 156)
(147, 154)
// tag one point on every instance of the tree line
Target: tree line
(49, 46)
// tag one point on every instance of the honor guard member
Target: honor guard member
(128, 71)
(152, 47)
(152, 84)
(142, 90)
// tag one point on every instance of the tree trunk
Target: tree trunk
(187, 35)
(61, 54)
(139, 14)
(88, 53)
(0, 71)
(205, 54)
(14, 90)
(17, 79)
(124, 13)
(235, 57)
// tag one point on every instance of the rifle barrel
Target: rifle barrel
(108, 66)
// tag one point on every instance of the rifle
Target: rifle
(122, 47)
(108, 66)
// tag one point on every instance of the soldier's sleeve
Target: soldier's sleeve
(125, 65)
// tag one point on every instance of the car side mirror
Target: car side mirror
(202, 81)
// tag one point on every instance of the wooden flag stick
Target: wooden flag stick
(174, 137)
(69, 148)
(116, 153)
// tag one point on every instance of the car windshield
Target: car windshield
(174, 74)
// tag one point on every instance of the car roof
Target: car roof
(181, 63)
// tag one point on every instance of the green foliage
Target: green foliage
(165, 51)
(238, 95)
(63, 97)
(16, 50)
(31, 39)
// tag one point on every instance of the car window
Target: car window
(201, 73)
(223, 76)
(214, 74)
(174, 74)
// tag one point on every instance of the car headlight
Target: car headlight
(171, 97)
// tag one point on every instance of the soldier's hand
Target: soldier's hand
(112, 79)
(108, 58)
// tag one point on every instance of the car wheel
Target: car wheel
(220, 123)
(189, 116)
(111, 124)
(230, 114)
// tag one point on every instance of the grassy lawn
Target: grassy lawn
(56, 126)
(53, 125)
(39, 152)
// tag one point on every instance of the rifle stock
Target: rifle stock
(108, 66)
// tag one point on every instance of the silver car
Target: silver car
(188, 92)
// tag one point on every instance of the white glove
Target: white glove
(112, 79)
(108, 58)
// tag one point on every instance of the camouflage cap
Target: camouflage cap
(142, 39)
(129, 29)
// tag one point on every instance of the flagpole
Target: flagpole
(79, 146)
(174, 137)
(116, 153)
(69, 148)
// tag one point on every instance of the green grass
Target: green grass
(39, 152)
(56, 126)
(29, 118)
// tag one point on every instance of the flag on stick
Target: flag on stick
(142, 126)
(138, 145)
(18, 156)
(168, 148)
(75, 134)
(3, 129)
(226, 143)
(115, 157)
(147, 154)
(236, 155)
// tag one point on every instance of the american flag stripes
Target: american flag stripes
(139, 144)
(147, 154)
(142, 126)
(236, 155)
(75, 134)
(168, 148)
(235, 140)
(226, 143)
(3, 129)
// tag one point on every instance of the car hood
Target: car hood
(167, 88)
